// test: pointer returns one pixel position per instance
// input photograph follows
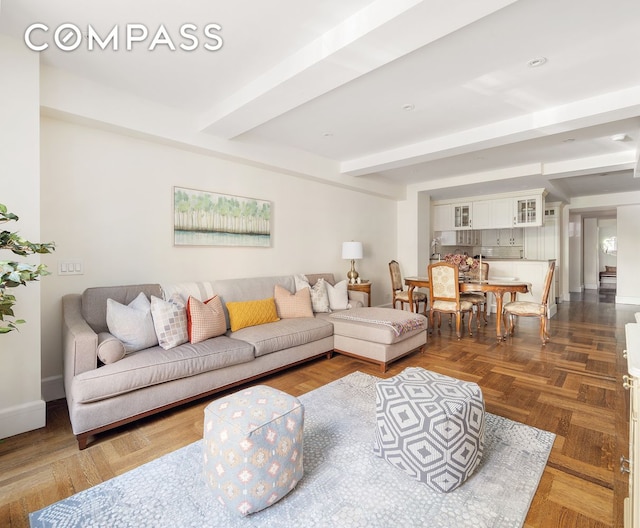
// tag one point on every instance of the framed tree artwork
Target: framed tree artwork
(202, 218)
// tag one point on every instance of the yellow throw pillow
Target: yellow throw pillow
(291, 305)
(252, 313)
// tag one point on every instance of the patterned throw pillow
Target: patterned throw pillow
(338, 295)
(290, 305)
(319, 295)
(205, 319)
(252, 313)
(170, 321)
(132, 324)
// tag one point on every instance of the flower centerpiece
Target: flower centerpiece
(464, 262)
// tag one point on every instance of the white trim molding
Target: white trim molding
(22, 418)
(627, 300)
(52, 388)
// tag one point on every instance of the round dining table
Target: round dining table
(497, 287)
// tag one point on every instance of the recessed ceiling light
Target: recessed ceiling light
(538, 61)
(619, 137)
(569, 140)
(327, 134)
(408, 107)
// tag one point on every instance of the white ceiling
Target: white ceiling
(328, 82)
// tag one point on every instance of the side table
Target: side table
(364, 286)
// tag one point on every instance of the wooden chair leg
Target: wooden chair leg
(470, 322)
(544, 334)
(458, 321)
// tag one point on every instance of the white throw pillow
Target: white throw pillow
(170, 321)
(338, 295)
(132, 324)
(319, 295)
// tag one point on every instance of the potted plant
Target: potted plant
(14, 274)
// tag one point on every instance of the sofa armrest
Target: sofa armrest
(358, 299)
(79, 341)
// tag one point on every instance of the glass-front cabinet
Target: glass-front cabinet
(528, 211)
(462, 216)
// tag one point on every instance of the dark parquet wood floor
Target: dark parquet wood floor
(572, 387)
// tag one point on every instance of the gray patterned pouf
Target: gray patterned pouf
(430, 426)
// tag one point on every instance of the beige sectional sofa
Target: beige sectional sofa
(103, 396)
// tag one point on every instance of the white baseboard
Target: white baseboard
(52, 388)
(22, 418)
(627, 300)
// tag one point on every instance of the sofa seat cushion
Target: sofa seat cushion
(286, 333)
(379, 325)
(155, 365)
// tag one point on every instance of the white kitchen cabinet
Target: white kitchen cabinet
(501, 213)
(502, 237)
(532, 243)
(462, 215)
(542, 242)
(512, 237)
(527, 211)
(482, 214)
(469, 237)
(492, 214)
(442, 217)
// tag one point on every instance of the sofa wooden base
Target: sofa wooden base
(384, 365)
(83, 438)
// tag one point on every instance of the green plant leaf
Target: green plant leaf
(13, 274)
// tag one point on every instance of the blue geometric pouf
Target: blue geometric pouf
(430, 426)
(253, 447)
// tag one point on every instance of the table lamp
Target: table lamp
(352, 251)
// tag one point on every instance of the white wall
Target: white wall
(628, 280)
(107, 199)
(574, 238)
(590, 253)
(21, 404)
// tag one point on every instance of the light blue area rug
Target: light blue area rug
(344, 483)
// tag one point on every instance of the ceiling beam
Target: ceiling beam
(597, 110)
(377, 35)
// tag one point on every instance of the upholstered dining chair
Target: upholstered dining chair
(444, 295)
(532, 309)
(479, 300)
(400, 294)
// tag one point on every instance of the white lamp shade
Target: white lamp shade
(352, 250)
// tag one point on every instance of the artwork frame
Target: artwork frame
(206, 218)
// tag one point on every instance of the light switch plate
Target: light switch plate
(70, 267)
